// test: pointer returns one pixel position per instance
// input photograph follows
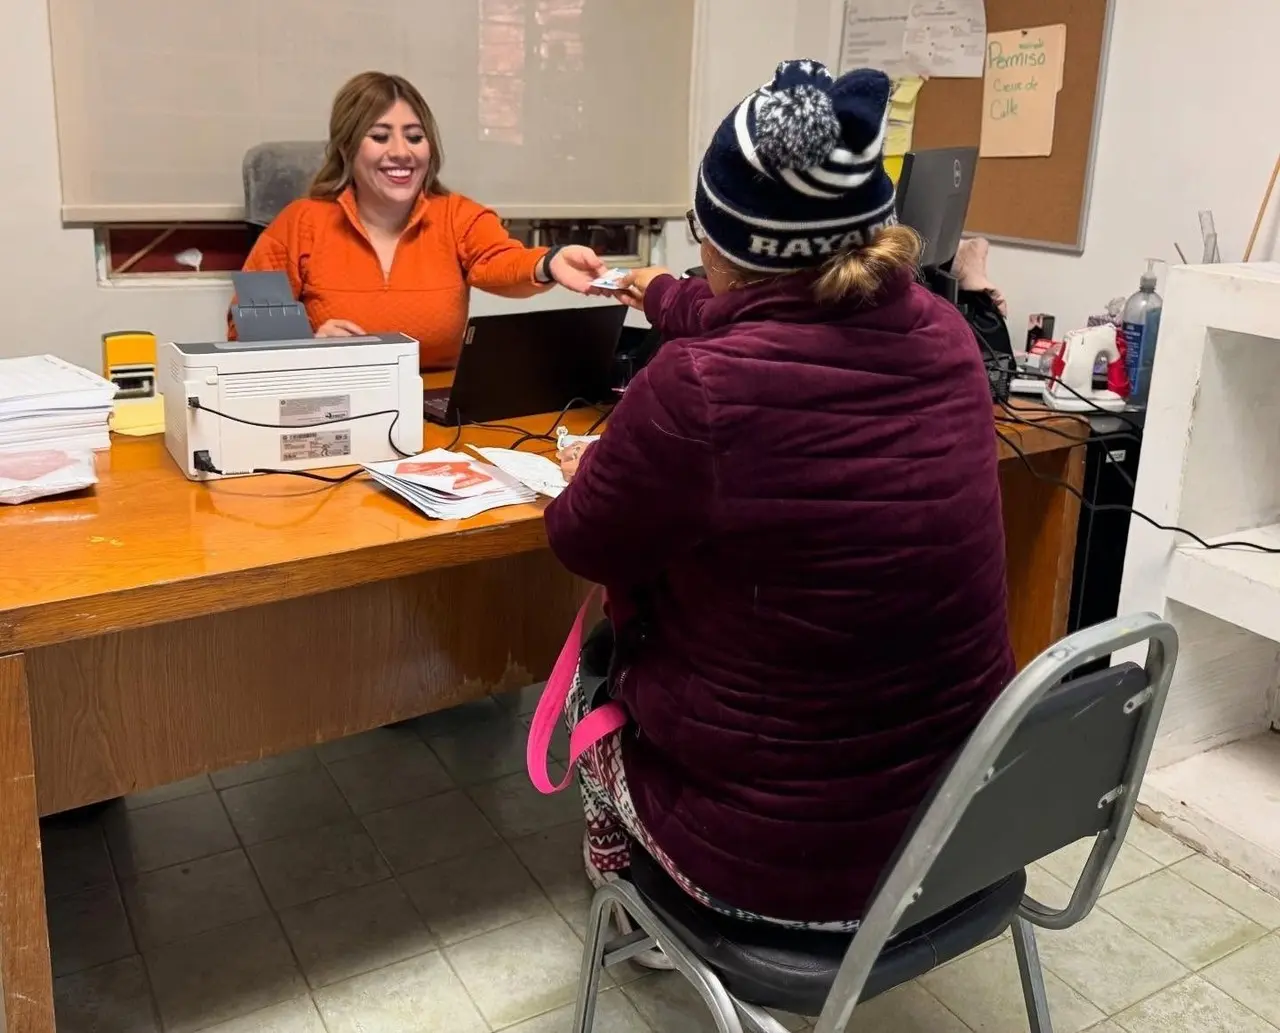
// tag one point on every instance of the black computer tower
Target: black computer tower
(1110, 470)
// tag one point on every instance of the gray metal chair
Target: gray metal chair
(1051, 762)
(275, 174)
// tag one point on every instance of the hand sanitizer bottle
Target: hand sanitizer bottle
(1141, 323)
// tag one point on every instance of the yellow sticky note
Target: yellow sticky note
(897, 139)
(902, 115)
(905, 91)
(137, 417)
(893, 166)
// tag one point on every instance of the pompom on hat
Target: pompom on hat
(795, 173)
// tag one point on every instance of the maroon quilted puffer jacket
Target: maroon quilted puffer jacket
(806, 497)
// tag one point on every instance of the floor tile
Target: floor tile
(464, 715)
(193, 786)
(520, 702)
(554, 857)
(1156, 843)
(168, 833)
(614, 1014)
(517, 809)
(520, 971)
(576, 914)
(75, 858)
(296, 1016)
(429, 830)
(1191, 1006)
(669, 1004)
(421, 995)
(88, 928)
(1131, 864)
(182, 900)
(1231, 889)
(1249, 976)
(314, 864)
(385, 778)
(1105, 1027)
(475, 894)
(1046, 888)
(367, 742)
(1110, 964)
(908, 1008)
(266, 767)
(559, 748)
(223, 974)
(279, 806)
(113, 998)
(354, 932)
(984, 991)
(481, 753)
(793, 1023)
(1180, 919)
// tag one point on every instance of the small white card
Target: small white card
(610, 281)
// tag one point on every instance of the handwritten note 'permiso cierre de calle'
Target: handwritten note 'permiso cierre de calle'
(1020, 91)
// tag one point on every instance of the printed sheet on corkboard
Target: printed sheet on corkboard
(1041, 199)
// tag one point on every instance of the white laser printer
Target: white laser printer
(242, 407)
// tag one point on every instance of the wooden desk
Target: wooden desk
(159, 628)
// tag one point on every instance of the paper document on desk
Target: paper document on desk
(538, 473)
(48, 403)
(450, 485)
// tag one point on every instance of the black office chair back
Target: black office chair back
(1050, 763)
(1059, 779)
(275, 174)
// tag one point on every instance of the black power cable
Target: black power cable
(1095, 507)
(203, 463)
(1039, 424)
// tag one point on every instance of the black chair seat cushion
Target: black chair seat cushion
(792, 969)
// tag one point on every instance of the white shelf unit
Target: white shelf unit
(1211, 464)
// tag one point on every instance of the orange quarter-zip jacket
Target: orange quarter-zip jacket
(450, 245)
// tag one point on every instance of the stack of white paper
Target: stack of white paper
(46, 403)
(449, 485)
(532, 470)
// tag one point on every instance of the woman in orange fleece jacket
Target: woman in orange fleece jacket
(381, 246)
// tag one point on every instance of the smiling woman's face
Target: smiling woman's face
(392, 161)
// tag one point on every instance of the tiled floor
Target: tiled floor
(410, 881)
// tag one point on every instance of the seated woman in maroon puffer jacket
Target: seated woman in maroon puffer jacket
(795, 509)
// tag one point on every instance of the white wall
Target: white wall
(1172, 140)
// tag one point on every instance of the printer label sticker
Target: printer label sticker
(297, 412)
(315, 444)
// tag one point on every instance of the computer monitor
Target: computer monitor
(933, 199)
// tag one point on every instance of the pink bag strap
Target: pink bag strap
(590, 730)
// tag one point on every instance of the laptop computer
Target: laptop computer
(527, 363)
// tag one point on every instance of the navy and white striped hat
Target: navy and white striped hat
(795, 173)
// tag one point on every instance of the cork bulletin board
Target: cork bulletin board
(1039, 202)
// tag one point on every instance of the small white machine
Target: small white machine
(242, 407)
(1074, 390)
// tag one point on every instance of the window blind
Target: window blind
(547, 108)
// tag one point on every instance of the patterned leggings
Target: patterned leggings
(612, 823)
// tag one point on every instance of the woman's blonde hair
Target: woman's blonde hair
(356, 109)
(858, 273)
